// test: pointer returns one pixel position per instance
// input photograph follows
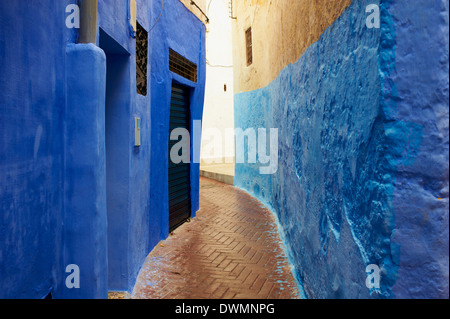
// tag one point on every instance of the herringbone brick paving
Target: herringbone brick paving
(231, 250)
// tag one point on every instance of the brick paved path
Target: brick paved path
(231, 250)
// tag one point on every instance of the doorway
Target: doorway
(179, 174)
(117, 136)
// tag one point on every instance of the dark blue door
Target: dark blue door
(179, 174)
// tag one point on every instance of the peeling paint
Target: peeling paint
(339, 114)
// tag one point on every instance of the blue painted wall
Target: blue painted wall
(181, 31)
(73, 187)
(119, 45)
(32, 100)
(363, 154)
(416, 78)
(137, 200)
(84, 218)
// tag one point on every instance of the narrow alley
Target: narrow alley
(224, 149)
(231, 250)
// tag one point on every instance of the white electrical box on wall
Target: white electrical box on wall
(137, 131)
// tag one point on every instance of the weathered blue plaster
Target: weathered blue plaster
(183, 32)
(419, 82)
(138, 218)
(32, 100)
(342, 145)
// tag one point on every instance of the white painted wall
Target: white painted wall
(218, 115)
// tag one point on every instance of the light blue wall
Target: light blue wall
(363, 154)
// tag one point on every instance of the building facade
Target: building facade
(86, 115)
(218, 116)
(358, 91)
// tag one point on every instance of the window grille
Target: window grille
(141, 59)
(182, 66)
(249, 45)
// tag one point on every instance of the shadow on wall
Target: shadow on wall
(117, 135)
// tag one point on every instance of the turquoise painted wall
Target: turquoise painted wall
(361, 161)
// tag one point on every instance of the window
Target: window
(141, 59)
(182, 66)
(248, 45)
